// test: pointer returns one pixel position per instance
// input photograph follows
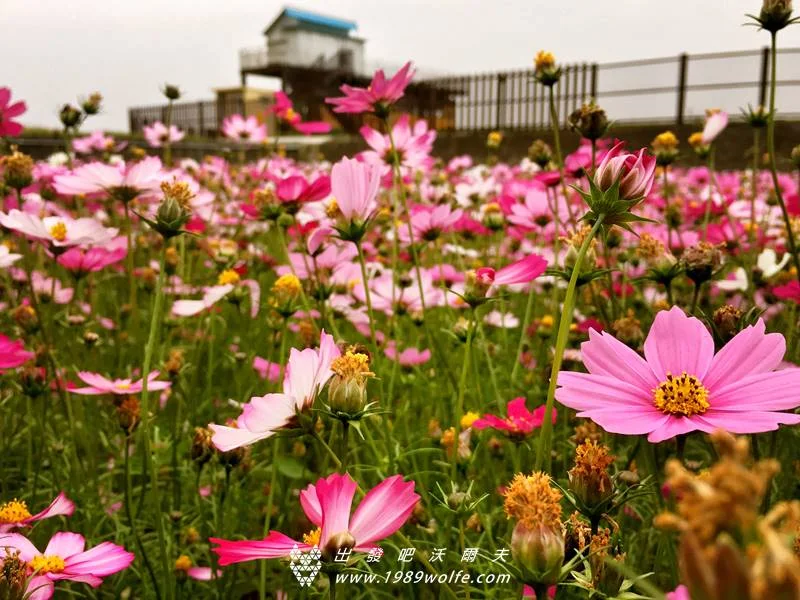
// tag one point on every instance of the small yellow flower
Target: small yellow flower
(228, 277)
(183, 563)
(665, 141)
(696, 139)
(544, 60)
(468, 419)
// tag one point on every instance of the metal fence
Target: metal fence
(661, 90)
(670, 90)
(195, 118)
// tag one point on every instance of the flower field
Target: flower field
(393, 376)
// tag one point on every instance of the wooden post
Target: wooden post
(764, 78)
(594, 81)
(683, 65)
(200, 118)
(501, 100)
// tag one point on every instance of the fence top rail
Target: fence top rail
(176, 105)
(643, 62)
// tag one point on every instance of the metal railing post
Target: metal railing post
(683, 65)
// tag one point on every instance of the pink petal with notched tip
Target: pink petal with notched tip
(584, 391)
(384, 510)
(65, 544)
(750, 351)
(629, 422)
(229, 438)
(100, 561)
(776, 390)
(336, 500)
(605, 355)
(678, 343)
(749, 422)
(61, 505)
(275, 545)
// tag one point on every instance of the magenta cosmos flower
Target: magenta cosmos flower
(635, 172)
(307, 372)
(412, 145)
(410, 357)
(377, 97)
(519, 423)
(97, 258)
(14, 514)
(284, 110)
(12, 355)
(159, 134)
(384, 510)
(99, 385)
(247, 131)
(59, 232)
(681, 385)
(8, 112)
(65, 558)
(355, 187)
(522, 271)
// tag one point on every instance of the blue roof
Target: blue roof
(317, 19)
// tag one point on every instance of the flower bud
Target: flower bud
(493, 140)
(91, 105)
(589, 121)
(540, 153)
(172, 92)
(347, 390)
(17, 170)
(775, 15)
(70, 116)
(546, 71)
(128, 414)
(727, 321)
(589, 479)
(665, 147)
(538, 552)
(795, 156)
(174, 210)
(13, 576)
(202, 447)
(700, 261)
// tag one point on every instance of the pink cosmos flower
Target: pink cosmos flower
(410, 357)
(307, 372)
(159, 134)
(58, 232)
(355, 186)
(788, 291)
(51, 289)
(377, 97)
(681, 385)
(296, 189)
(327, 504)
(284, 110)
(99, 385)
(7, 258)
(715, 124)
(125, 181)
(96, 141)
(215, 293)
(679, 593)
(15, 514)
(430, 222)
(8, 111)
(65, 558)
(519, 423)
(412, 146)
(97, 258)
(266, 369)
(635, 172)
(13, 353)
(248, 130)
(522, 271)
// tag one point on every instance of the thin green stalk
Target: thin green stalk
(712, 181)
(771, 150)
(168, 142)
(152, 343)
(543, 458)
(303, 297)
(526, 321)
(368, 298)
(559, 158)
(262, 583)
(462, 386)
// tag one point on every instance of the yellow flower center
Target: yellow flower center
(290, 114)
(47, 564)
(681, 396)
(351, 365)
(124, 386)
(183, 563)
(544, 60)
(59, 231)
(332, 209)
(228, 276)
(533, 501)
(14, 511)
(312, 537)
(287, 285)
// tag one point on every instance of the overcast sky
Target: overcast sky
(55, 51)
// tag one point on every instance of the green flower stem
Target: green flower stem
(771, 150)
(526, 321)
(714, 188)
(543, 458)
(462, 386)
(559, 158)
(303, 297)
(363, 265)
(273, 482)
(129, 259)
(149, 456)
(168, 143)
